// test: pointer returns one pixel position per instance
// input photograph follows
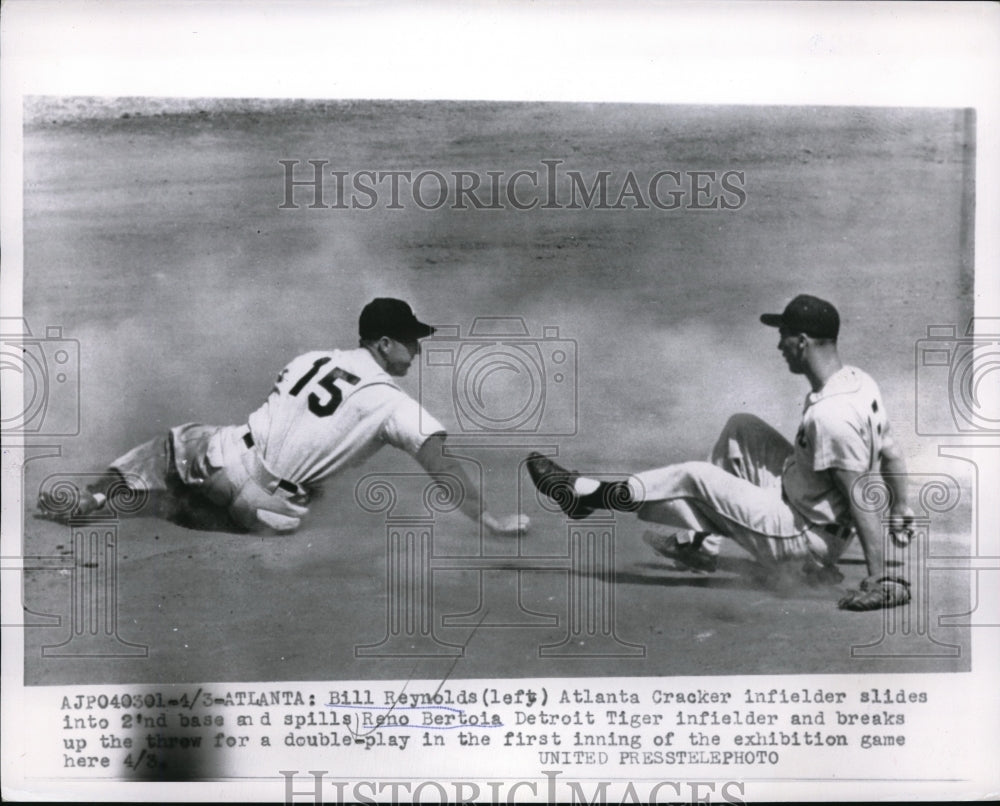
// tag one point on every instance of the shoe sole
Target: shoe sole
(690, 560)
(561, 491)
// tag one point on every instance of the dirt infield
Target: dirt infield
(156, 238)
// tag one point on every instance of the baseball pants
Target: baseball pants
(212, 477)
(738, 494)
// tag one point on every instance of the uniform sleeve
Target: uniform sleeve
(837, 442)
(409, 425)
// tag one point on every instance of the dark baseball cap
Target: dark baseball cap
(805, 314)
(390, 317)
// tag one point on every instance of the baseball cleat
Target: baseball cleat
(558, 484)
(687, 556)
(62, 508)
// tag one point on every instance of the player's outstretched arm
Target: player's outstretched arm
(447, 471)
(878, 590)
(893, 467)
(867, 523)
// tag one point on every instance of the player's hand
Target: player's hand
(901, 524)
(507, 526)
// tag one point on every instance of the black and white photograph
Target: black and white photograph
(602, 444)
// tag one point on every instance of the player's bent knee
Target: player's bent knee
(741, 421)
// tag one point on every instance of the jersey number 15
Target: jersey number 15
(317, 406)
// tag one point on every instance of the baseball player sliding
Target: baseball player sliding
(778, 501)
(328, 410)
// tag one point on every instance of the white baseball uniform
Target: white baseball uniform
(328, 410)
(776, 499)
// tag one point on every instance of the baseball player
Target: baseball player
(328, 410)
(778, 500)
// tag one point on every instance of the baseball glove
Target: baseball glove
(881, 593)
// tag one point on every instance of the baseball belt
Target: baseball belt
(283, 484)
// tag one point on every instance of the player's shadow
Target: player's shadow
(187, 511)
(859, 561)
(733, 573)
